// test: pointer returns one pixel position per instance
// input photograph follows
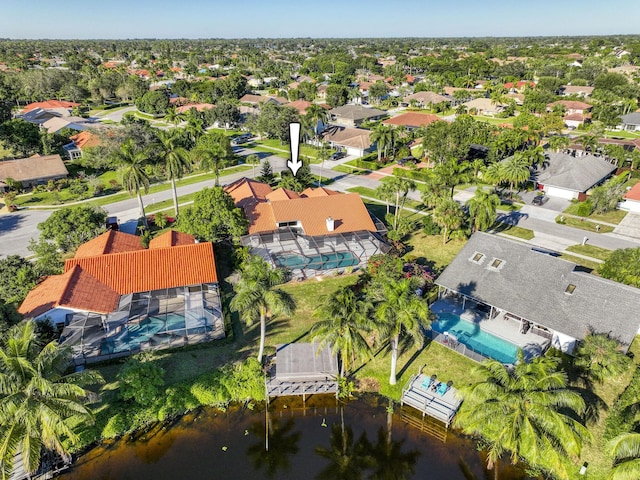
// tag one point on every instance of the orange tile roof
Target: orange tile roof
(347, 210)
(109, 242)
(318, 192)
(145, 270)
(246, 191)
(172, 239)
(85, 140)
(260, 217)
(300, 105)
(74, 289)
(198, 106)
(413, 119)
(281, 194)
(634, 193)
(49, 104)
(571, 105)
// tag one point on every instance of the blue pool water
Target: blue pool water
(469, 334)
(325, 261)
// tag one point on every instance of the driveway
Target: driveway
(629, 226)
(17, 228)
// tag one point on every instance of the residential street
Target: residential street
(18, 228)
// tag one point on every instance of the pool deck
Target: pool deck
(427, 401)
(500, 326)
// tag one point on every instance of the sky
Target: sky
(117, 19)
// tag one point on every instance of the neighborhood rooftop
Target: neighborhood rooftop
(542, 288)
(577, 173)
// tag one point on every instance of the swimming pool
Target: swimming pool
(325, 261)
(469, 334)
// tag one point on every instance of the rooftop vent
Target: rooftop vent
(330, 224)
(570, 289)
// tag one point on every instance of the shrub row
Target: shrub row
(421, 174)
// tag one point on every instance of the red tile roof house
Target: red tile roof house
(317, 232)
(412, 120)
(116, 298)
(576, 113)
(631, 200)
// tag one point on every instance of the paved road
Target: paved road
(16, 229)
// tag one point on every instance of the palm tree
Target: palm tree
(401, 188)
(344, 318)
(599, 356)
(132, 168)
(211, 157)
(515, 170)
(253, 160)
(195, 128)
(451, 173)
(38, 398)
(174, 116)
(175, 159)
(483, 208)
(402, 311)
(386, 191)
(526, 411)
(257, 298)
(589, 142)
(449, 215)
(316, 116)
(625, 450)
(534, 156)
(559, 142)
(323, 155)
(382, 136)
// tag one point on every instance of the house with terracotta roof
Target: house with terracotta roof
(81, 142)
(31, 171)
(631, 200)
(579, 90)
(116, 297)
(412, 120)
(63, 108)
(571, 106)
(315, 232)
(354, 141)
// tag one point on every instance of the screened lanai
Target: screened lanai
(151, 320)
(308, 256)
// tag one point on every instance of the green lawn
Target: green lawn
(589, 264)
(622, 134)
(368, 192)
(348, 169)
(612, 216)
(50, 198)
(583, 224)
(494, 120)
(429, 250)
(274, 146)
(513, 231)
(590, 251)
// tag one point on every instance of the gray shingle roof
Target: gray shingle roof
(532, 285)
(356, 112)
(573, 173)
(631, 118)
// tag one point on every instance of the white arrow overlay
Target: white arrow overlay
(294, 137)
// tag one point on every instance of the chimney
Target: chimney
(330, 224)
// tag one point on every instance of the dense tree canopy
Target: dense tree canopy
(213, 216)
(623, 265)
(69, 227)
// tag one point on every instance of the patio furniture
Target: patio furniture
(428, 381)
(444, 388)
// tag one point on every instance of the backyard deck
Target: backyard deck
(427, 401)
(303, 369)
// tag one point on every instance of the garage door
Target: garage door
(561, 193)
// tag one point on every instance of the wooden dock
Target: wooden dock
(303, 369)
(423, 398)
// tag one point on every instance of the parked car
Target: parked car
(338, 155)
(540, 200)
(239, 140)
(112, 223)
(406, 160)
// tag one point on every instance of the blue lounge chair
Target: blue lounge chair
(442, 389)
(427, 382)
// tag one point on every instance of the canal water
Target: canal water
(325, 439)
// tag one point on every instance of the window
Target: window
(477, 257)
(496, 263)
(570, 289)
(288, 224)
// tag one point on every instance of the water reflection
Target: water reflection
(273, 454)
(362, 439)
